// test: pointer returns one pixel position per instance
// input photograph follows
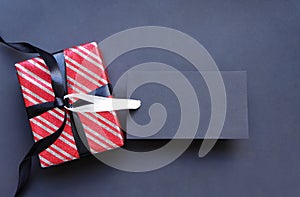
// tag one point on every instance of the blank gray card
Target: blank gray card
(236, 119)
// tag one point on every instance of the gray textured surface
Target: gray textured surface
(261, 37)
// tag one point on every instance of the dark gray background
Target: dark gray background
(261, 37)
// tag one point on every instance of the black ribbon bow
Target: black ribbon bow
(56, 66)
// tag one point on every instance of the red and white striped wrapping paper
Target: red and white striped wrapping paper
(85, 72)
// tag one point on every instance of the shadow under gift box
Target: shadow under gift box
(85, 73)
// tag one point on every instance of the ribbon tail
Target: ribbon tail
(57, 79)
(37, 147)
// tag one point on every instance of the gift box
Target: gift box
(84, 73)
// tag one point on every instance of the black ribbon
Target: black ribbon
(56, 66)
